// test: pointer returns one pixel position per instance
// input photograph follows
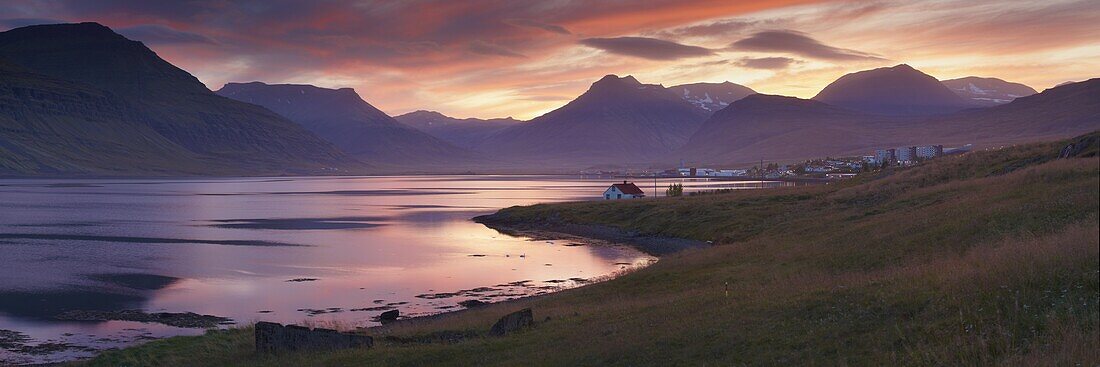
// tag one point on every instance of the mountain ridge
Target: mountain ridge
(343, 118)
(171, 101)
(615, 120)
(898, 90)
(465, 133)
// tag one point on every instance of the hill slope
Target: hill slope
(898, 90)
(985, 259)
(171, 101)
(618, 120)
(988, 91)
(783, 128)
(345, 119)
(51, 126)
(466, 133)
(1057, 112)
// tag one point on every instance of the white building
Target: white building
(931, 151)
(625, 190)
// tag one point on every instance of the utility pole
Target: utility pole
(654, 184)
(761, 173)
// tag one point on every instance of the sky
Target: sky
(521, 58)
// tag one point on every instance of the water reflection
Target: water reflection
(245, 248)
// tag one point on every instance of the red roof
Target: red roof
(629, 188)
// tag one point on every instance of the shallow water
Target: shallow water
(336, 250)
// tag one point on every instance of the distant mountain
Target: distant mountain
(772, 128)
(342, 117)
(988, 91)
(618, 120)
(466, 133)
(1058, 112)
(222, 132)
(711, 96)
(899, 90)
(786, 128)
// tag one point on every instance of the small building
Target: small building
(625, 190)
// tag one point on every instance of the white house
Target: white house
(625, 190)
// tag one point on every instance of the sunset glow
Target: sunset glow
(495, 59)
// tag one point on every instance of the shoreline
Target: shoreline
(589, 235)
(656, 246)
(586, 235)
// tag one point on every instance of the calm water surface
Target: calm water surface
(291, 250)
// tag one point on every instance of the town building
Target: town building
(930, 151)
(906, 154)
(625, 190)
(885, 155)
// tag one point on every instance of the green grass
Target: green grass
(985, 259)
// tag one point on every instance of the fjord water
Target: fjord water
(291, 250)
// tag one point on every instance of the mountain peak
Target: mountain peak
(427, 114)
(92, 53)
(72, 31)
(897, 90)
(342, 117)
(612, 79)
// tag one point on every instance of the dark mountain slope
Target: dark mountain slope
(618, 120)
(50, 126)
(898, 90)
(778, 128)
(466, 133)
(171, 101)
(787, 128)
(345, 119)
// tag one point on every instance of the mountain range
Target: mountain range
(465, 133)
(618, 120)
(787, 128)
(343, 118)
(171, 113)
(79, 99)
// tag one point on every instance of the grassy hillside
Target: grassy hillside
(988, 258)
